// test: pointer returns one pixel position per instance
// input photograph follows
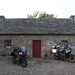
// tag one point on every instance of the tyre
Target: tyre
(72, 57)
(24, 63)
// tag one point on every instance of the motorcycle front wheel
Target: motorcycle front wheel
(25, 63)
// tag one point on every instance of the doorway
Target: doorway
(36, 48)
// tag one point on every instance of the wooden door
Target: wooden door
(36, 48)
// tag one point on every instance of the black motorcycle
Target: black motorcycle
(19, 57)
(62, 53)
(23, 59)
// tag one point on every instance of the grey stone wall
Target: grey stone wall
(19, 41)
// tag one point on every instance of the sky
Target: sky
(21, 8)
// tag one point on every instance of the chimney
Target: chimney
(2, 19)
(72, 17)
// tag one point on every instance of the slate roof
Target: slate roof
(34, 26)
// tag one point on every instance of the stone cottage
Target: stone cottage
(35, 34)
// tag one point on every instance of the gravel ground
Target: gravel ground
(37, 67)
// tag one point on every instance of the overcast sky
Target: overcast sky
(20, 8)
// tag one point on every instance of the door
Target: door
(36, 48)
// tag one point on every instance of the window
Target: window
(7, 43)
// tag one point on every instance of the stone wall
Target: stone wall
(19, 41)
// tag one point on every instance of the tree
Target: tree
(41, 15)
(34, 15)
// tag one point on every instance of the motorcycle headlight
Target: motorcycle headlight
(54, 50)
(20, 53)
